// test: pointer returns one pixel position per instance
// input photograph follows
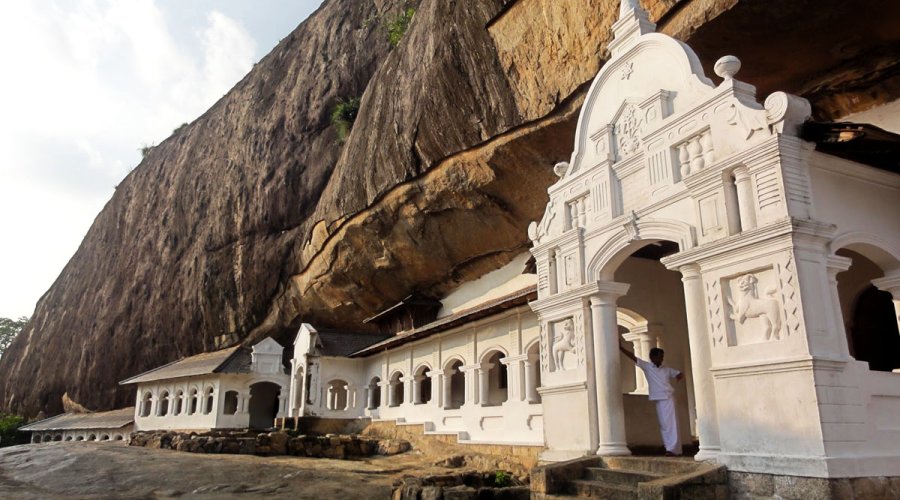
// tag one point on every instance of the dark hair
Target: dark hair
(655, 351)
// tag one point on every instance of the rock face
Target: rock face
(254, 217)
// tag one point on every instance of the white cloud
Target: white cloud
(86, 83)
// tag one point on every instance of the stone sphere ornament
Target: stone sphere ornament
(727, 66)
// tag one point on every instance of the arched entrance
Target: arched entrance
(652, 313)
(263, 404)
(869, 314)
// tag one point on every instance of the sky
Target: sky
(84, 85)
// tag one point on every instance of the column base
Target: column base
(613, 449)
(711, 453)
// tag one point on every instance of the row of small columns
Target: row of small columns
(523, 371)
(610, 406)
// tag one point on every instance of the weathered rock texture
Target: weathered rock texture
(253, 217)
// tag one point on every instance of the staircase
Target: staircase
(626, 478)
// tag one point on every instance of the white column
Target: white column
(470, 384)
(891, 284)
(513, 378)
(529, 367)
(329, 398)
(408, 387)
(834, 265)
(417, 389)
(370, 397)
(704, 389)
(610, 407)
(446, 379)
(484, 374)
(746, 203)
(436, 387)
(385, 394)
(351, 397)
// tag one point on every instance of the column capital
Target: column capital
(741, 173)
(836, 264)
(890, 283)
(607, 293)
(689, 271)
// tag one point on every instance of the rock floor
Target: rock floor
(67, 470)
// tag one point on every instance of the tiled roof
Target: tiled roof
(201, 364)
(485, 309)
(114, 419)
(342, 343)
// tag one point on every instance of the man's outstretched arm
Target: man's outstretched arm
(627, 353)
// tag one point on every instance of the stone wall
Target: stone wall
(745, 485)
(518, 460)
(466, 485)
(270, 443)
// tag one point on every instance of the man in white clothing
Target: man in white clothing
(663, 394)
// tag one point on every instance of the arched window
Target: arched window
(146, 403)
(374, 393)
(454, 385)
(104, 437)
(231, 403)
(118, 437)
(194, 402)
(210, 400)
(422, 388)
(337, 395)
(396, 389)
(495, 381)
(92, 437)
(162, 407)
(79, 438)
(68, 438)
(179, 402)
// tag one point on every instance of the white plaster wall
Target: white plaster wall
(886, 116)
(184, 421)
(513, 421)
(498, 283)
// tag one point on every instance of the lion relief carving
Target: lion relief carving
(751, 305)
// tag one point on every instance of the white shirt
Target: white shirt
(658, 379)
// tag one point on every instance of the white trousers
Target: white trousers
(668, 424)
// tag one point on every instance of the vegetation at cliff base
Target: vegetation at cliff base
(396, 26)
(343, 115)
(9, 328)
(9, 429)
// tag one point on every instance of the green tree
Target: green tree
(9, 328)
(396, 26)
(9, 429)
(343, 115)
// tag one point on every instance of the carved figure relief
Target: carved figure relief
(627, 131)
(751, 306)
(563, 342)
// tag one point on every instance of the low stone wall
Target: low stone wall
(462, 486)
(518, 459)
(745, 485)
(270, 443)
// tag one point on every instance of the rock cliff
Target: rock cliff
(255, 217)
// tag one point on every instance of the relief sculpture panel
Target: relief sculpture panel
(754, 317)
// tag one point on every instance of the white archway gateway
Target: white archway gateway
(701, 209)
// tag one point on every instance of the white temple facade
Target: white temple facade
(689, 217)
(226, 389)
(750, 235)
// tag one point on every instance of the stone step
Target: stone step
(658, 465)
(620, 476)
(597, 489)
